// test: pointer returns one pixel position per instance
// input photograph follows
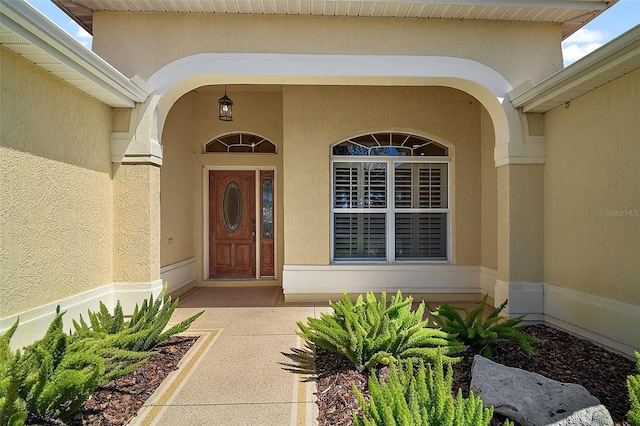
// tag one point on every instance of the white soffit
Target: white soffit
(571, 14)
(613, 60)
(26, 32)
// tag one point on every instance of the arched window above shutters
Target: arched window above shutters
(391, 144)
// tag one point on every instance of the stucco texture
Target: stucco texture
(520, 202)
(56, 211)
(315, 118)
(489, 198)
(136, 223)
(518, 52)
(592, 193)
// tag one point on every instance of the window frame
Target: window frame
(390, 210)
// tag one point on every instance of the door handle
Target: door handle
(253, 230)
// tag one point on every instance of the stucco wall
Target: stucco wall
(56, 212)
(176, 183)
(136, 223)
(317, 117)
(517, 51)
(192, 122)
(520, 203)
(592, 193)
(489, 216)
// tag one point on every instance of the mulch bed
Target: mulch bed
(564, 357)
(117, 401)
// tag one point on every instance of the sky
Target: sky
(615, 21)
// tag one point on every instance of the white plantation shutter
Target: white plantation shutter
(421, 185)
(421, 235)
(360, 235)
(345, 178)
(359, 185)
(432, 184)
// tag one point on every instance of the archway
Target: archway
(479, 80)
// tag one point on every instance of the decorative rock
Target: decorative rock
(533, 400)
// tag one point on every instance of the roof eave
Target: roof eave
(616, 58)
(29, 24)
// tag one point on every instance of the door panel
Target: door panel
(232, 222)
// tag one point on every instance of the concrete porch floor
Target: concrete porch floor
(232, 376)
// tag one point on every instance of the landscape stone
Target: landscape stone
(534, 400)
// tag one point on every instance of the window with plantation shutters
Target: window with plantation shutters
(389, 210)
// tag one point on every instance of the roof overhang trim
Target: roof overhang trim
(32, 28)
(613, 60)
(570, 14)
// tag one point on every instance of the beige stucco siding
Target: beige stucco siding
(592, 193)
(489, 199)
(520, 202)
(136, 225)
(517, 51)
(177, 183)
(317, 117)
(56, 211)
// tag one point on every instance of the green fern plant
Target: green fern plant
(59, 375)
(12, 408)
(369, 332)
(481, 334)
(633, 386)
(142, 332)
(419, 397)
(53, 376)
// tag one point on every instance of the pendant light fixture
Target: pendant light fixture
(225, 107)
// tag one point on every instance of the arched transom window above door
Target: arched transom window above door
(390, 199)
(241, 143)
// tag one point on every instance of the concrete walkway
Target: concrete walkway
(232, 376)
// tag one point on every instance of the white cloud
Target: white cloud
(573, 52)
(581, 43)
(83, 36)
(584, 35)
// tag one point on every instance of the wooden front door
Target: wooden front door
(232, 224)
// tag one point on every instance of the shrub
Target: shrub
(53, 376)
(370, 333)
(141, 333)
(479, 334)
(419, 398)
(633, 385)
(12, 408)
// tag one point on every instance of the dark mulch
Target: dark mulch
(116, 402)
(564, 357)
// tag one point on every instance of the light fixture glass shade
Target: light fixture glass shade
(225, 107)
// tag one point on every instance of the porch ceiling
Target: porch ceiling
(571, 14)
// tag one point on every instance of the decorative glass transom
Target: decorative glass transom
(241, 142)
(390, 144)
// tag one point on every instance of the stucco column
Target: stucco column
(136, 252)
(137, 155)
(520, 239)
